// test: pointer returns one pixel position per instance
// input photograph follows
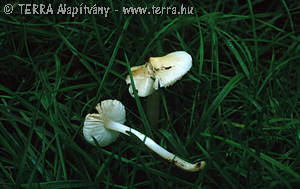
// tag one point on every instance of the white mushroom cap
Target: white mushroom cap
(94, 124)
(143, 80)
(159, 72)
(170, 68)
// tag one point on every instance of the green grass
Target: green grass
(238, 108)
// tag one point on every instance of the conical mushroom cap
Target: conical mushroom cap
(94, 124)
(170, 68)
(143, 80)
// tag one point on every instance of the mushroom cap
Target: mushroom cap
(170, 68)
(143, 80)
(94, 124)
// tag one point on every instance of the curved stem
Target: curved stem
(156, 147)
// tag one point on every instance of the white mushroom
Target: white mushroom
(105, 125)
(159, 72)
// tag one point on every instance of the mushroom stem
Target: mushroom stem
(115, 126)
(152, 108)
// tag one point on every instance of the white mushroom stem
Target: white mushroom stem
(115, 126)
